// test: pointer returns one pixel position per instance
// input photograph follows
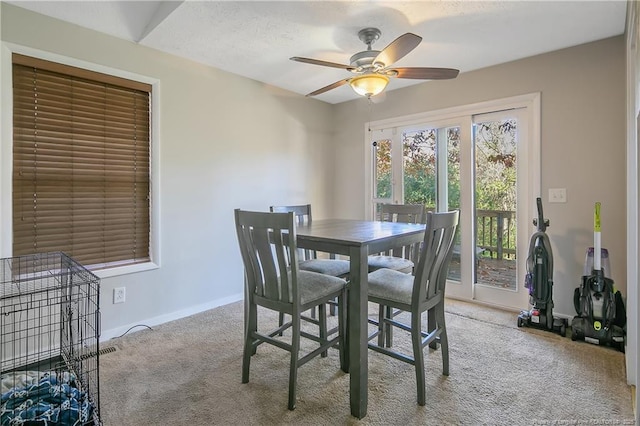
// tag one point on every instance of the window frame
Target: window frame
(6, 152)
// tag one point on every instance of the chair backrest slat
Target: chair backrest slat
(302, 212)
(405, 213)
(268, 247)
(303, 216)
(433, 265)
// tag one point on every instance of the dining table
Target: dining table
(357, 239)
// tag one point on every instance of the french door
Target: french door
(486, 165)
(501, 198)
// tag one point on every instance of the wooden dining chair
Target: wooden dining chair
(308, 259)
(274, 281)
(404, 258)
(415, 294)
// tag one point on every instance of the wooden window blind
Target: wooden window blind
(81, 145)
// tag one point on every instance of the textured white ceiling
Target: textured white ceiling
(256, 39)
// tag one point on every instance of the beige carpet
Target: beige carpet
(187, 372)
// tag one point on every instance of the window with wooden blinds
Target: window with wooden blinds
(80, 164)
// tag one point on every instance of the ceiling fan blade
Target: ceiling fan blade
(398, 49)
(422, 73)
(323, 63)
(329, 87)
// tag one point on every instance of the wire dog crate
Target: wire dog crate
(49, 341)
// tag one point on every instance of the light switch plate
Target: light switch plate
(557, 195)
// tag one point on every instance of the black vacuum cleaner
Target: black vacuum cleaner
(539, 281)
(601, 312)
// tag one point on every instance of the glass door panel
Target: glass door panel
(419, 167)
(383, 190)
(495, 196)
(382, 176)
(451, 156)
(431, 174)
(499, 141)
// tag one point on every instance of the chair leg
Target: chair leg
(418, 356)
(381, 326)
(345, 328)
(293, 366)
(322, 324)
(251, 325)
(389, 328)
(342, 330)
(280, 321)
(444, 341)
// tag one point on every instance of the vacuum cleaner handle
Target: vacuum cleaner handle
(540, 222)
(597, 255)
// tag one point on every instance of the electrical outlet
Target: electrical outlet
(119, 295)
(557, 195)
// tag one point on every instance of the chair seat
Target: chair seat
(389, 262)
(333, 267)
(391, 285)
(316, 286)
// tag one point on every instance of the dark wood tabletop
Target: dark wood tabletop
(340, 234)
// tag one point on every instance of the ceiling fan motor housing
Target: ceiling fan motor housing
(364, 59)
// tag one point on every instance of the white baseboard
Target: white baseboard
(140, 325)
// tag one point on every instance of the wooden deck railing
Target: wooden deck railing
(496, 233)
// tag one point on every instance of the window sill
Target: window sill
(124, 270)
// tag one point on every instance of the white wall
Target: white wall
(225, 142)
(582, 148)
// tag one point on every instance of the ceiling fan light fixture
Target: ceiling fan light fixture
(369, 84)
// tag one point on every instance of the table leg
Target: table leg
(357, 333)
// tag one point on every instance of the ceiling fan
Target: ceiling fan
(372, 68)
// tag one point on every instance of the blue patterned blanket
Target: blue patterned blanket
(51, 400)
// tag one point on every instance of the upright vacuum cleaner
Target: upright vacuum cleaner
(539, 281)
(601, 313)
